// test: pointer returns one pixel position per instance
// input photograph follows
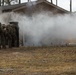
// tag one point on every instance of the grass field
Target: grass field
(38, 61)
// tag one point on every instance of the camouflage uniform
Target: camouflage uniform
(9, 37)
(0, 35)
(16, 32)
(3, 36)
(14, 36)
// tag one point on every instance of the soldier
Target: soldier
(3, 36)
(0, 35)
(15, 24)
(9, 35)
(14, 36)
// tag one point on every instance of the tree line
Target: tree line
(3, 2)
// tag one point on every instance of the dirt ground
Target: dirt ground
(38, 61)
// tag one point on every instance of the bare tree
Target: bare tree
(9, 1)
(56, 2)
(5, 1)
(70, 5)
(19, 1)
(51, 1)
(0, 2)
(29, 0)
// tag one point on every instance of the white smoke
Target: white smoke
(42, 29)
(5, 18)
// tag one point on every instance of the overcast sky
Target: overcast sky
(62, 3)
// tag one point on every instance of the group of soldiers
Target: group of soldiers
(8, 36)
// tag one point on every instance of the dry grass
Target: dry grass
(38, 61)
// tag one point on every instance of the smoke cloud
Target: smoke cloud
(42, 29)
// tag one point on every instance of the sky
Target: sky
(62, 3)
